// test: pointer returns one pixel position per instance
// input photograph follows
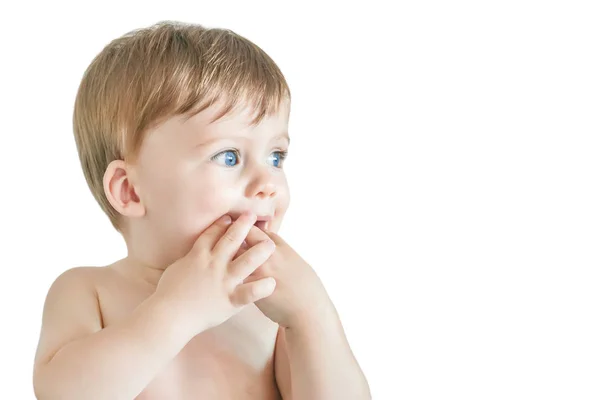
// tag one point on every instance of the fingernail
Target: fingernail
(227, 220)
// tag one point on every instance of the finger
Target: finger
(253, 258)
(241, 250)
(231, 240)
(211, 235)
(256, 235)
(254, 276)
(252, 291)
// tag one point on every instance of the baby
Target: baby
(182, 133)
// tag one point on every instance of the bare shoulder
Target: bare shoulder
(79, 275)
(71, 311)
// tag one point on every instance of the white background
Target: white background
(444, 171)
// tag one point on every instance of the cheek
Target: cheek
(161, 188)
(285, 196)
(283, 203)
(199, 201)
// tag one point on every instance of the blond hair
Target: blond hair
(150, 74)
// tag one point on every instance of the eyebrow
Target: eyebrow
(280, 136)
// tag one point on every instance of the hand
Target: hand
(205, 287)
(299, 296)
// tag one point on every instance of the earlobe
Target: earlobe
(120, 191)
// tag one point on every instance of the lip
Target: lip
(267, 218)
(263, 222)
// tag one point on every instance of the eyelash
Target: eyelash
(282, 157)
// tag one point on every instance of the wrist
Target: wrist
(175, 326)
(317, 318)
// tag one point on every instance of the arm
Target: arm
(78, 359)
(313, 360)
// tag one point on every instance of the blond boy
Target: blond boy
(178, 128)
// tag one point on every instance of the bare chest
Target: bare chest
(231, 361)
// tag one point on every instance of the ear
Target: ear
(120, 190)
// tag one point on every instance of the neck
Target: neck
(148, 255)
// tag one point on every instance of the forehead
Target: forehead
(237, 122)
(184, 131)
(241, 116)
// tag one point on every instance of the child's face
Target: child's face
(189, 173)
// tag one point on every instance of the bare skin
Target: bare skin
(231, 361)
(107, 333)
(180, 318)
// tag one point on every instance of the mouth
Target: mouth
(262, 225)
(263, 222)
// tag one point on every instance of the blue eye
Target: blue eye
(282, 156)
(232, 155)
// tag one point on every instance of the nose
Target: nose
(262, 184)
(262, 189)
